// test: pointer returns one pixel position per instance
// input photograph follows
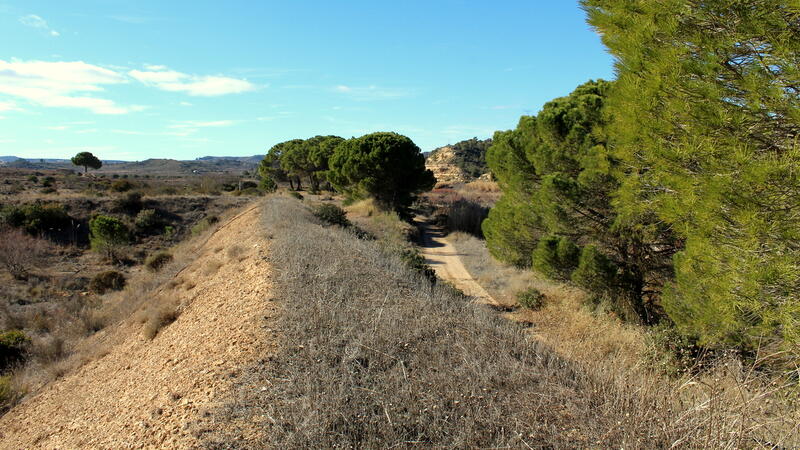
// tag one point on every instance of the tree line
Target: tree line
(386, 166)
(672, 193)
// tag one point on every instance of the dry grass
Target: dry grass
(76, 331)
(158, 314)
(740, 400)
(375, 356)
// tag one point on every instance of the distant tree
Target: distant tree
(270, 166)
(87, 160)
(320, 150)
(386, 166)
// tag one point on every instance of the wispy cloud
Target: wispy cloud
(34, 21)
(372, 92)
(61, 84)
(203, 124)
(9, 106)
(197, 85)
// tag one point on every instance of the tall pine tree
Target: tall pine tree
(706, 117)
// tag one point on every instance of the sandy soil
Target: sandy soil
(158, 393)
(440, 254)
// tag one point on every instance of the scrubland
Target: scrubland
(375, 355)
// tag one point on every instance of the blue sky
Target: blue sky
(182, 79)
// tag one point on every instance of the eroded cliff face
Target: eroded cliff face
(441, 163)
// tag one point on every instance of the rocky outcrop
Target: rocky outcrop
(442, 163)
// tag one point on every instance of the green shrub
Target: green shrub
(36, 218)
(6, 393)
(107, 234)
(148, 221)
(130, 203)
(415, 261)
(48, 181)
(13, 346)
(169, 232)
(331, 214)
(568, 254)
(296, 195)
(248, 185)
(158, 261)
(110, 280)
(49, 190)
(531, 298)
(204, 224)
(121, 186)
(267, 184)
(33, 179)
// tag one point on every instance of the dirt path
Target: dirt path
(157, 393)
(443, 257)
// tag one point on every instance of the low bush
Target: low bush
(296, 195)
(158, 261)
(130, 203)
(204, 224)
(467, 216)
(531, 298)
(13, 347)
(160, 314)
(108, 235)
(110, 280)
(19, 252)
(330, 214)
(36, 218)
(121, 186)
(267, 184)
(148, 221)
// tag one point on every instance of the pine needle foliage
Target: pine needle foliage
(558, 177)
(706, 118)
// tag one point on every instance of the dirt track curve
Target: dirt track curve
(440, 254)
(157, 393)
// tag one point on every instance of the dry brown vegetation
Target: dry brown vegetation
(62, 324)
(376, 356)
(738, 394)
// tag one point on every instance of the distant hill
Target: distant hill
(206, 164)
(460, 162)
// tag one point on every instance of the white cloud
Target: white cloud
(54, 84)
(371, 92)
(9, 106)
(34, 21)
(196, 85)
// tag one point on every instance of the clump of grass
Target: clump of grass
(204, 224)
(212, 267)
(531, 298)
(156, 262)
(159, 314)
(110, 280)
(235, 252)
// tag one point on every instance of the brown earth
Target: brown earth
(159, 393)
(443, 257)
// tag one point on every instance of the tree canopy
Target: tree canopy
(707, 115)
(386, 166)
(87, 160)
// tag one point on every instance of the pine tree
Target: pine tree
(557, 178)
(707, 113)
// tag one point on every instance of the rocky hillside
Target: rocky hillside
(459, 163)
